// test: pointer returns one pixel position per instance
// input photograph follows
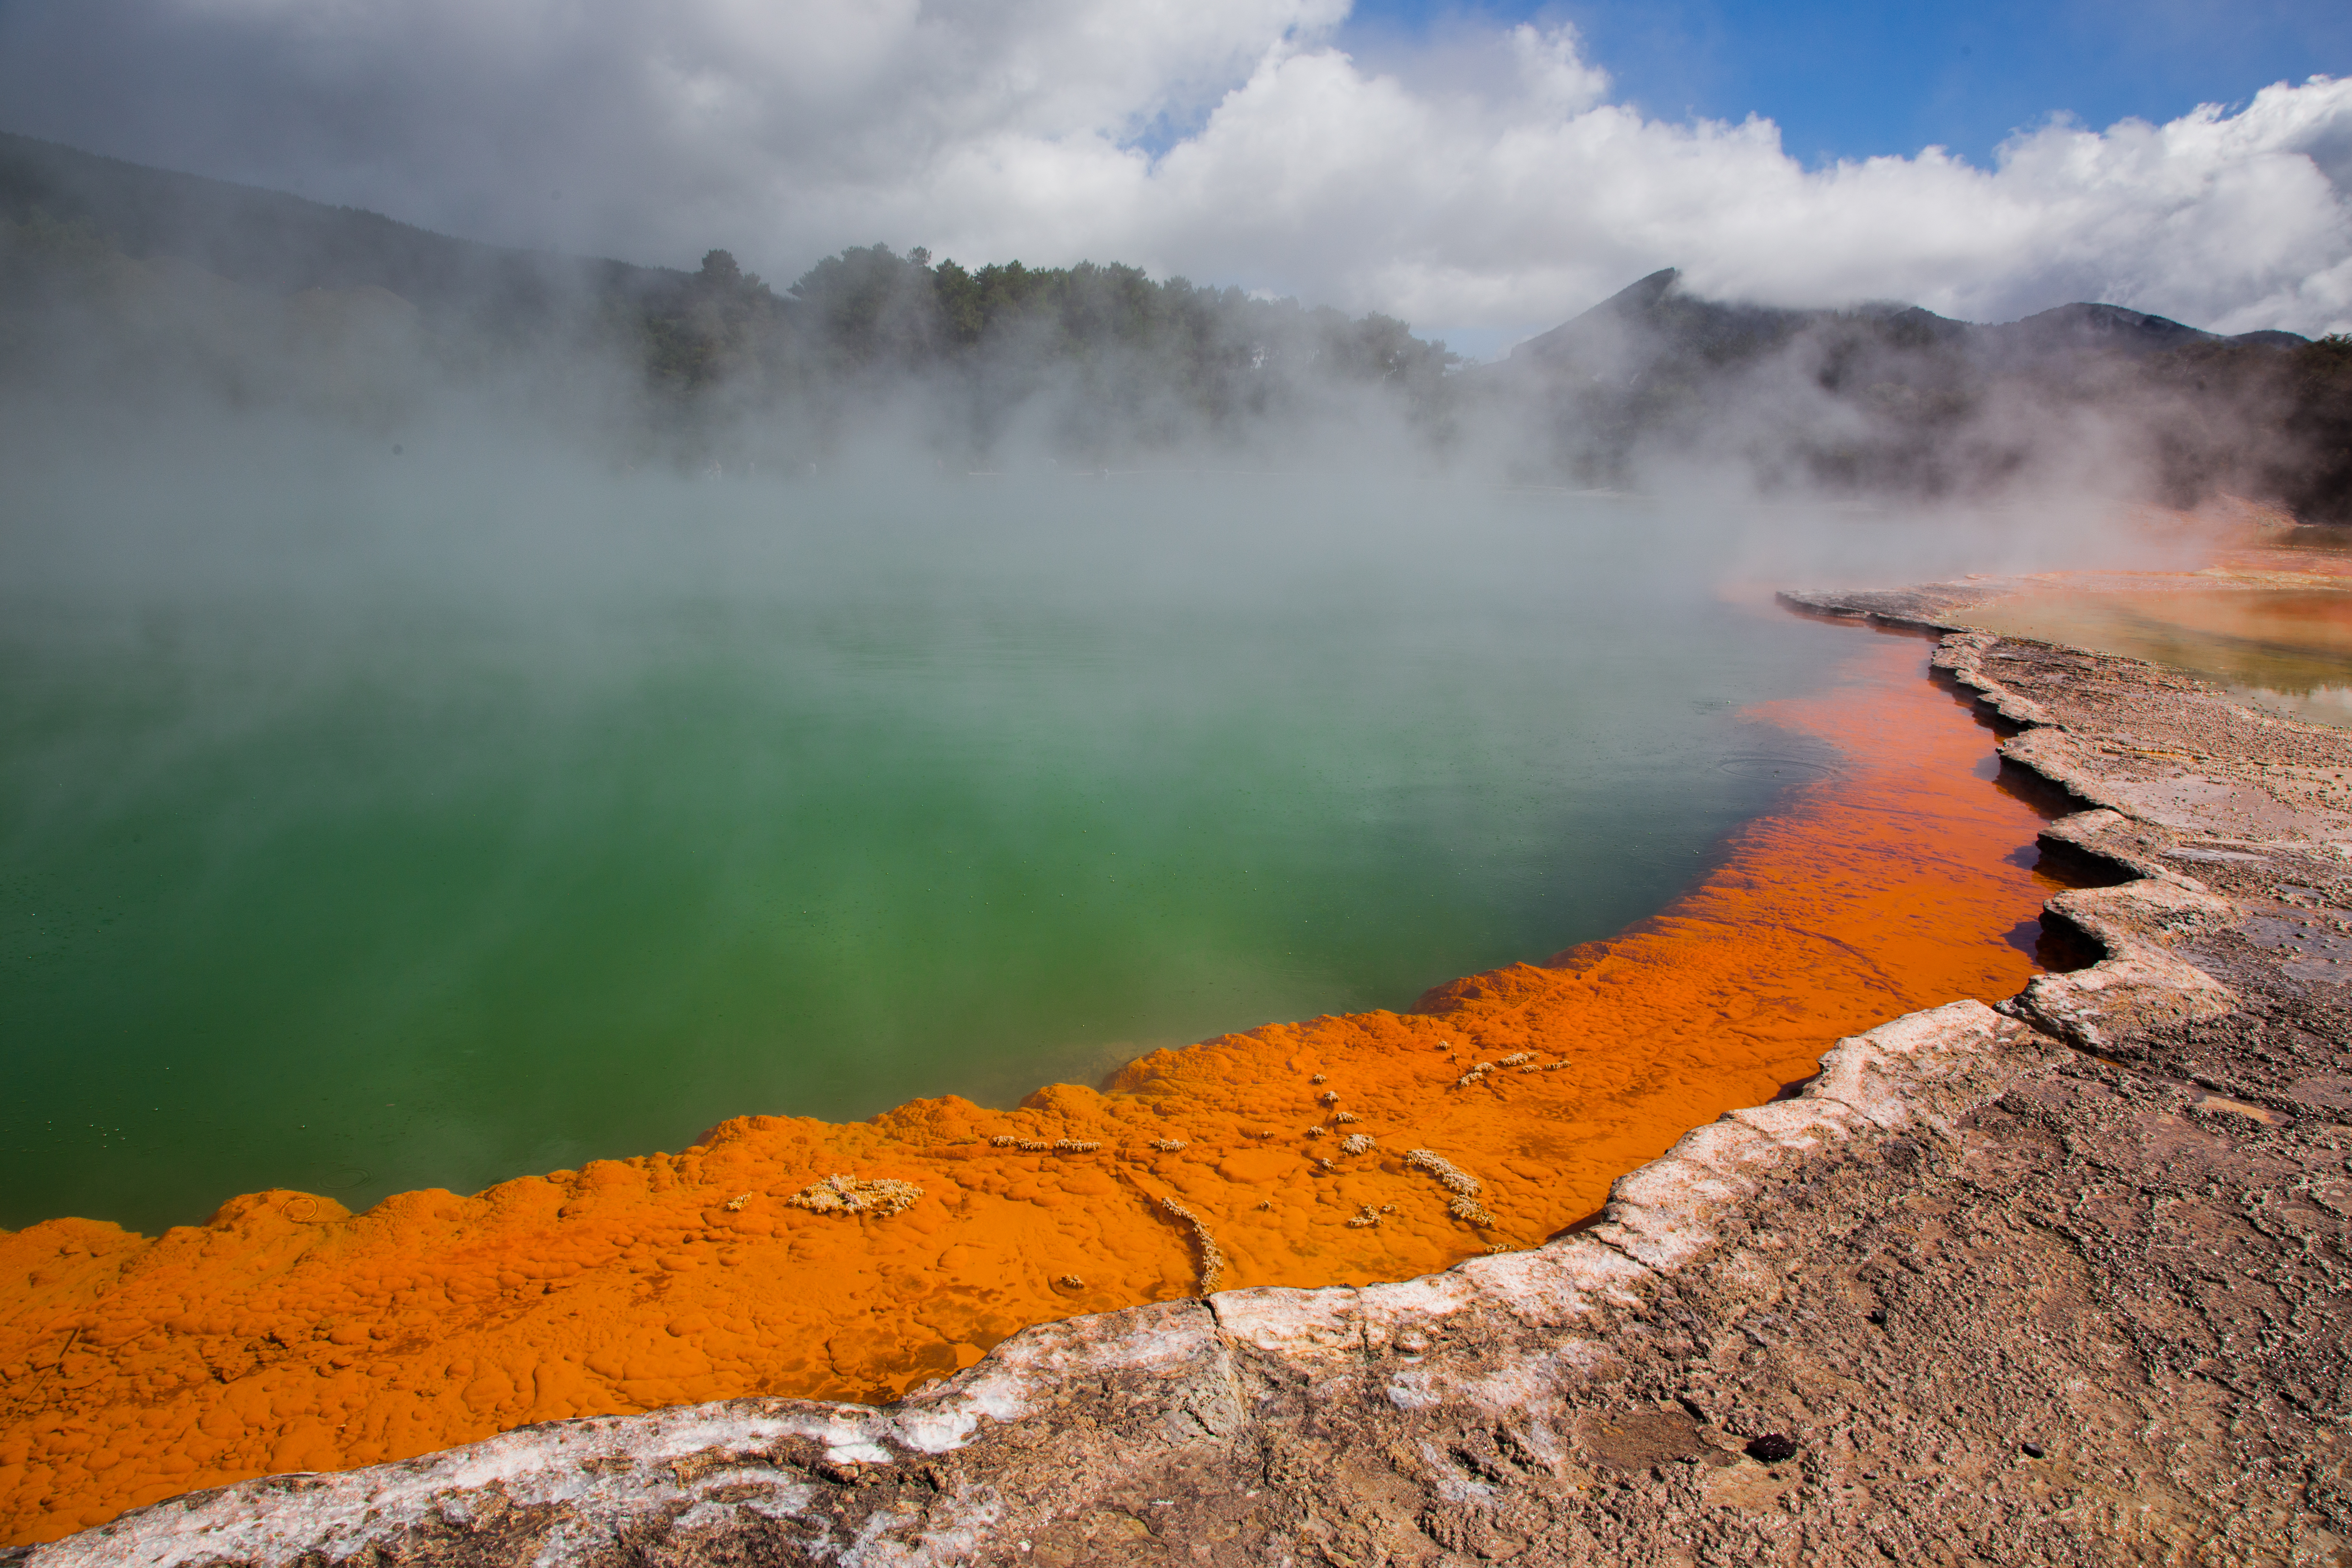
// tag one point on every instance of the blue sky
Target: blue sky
(1844, 79)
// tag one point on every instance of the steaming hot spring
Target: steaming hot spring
(1115, 848)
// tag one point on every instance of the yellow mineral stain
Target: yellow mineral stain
(782, 1255)
(2295, 639)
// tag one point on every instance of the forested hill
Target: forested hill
(864, 314)
(282, 243)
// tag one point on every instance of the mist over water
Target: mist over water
(403, 824)
(374, 821)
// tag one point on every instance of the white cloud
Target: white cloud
(1495, 188)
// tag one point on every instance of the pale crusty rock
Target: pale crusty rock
(2066, 762)
(1412, 1306)
(1962, 656)
(1340, 1332)
(1558, 1284)
(577, 1491)
(2140, 985)
(1804, 1125)
(2108, 835)
(1935, 1065)
(1298, 1324)
(1661, 1215)
(1932, 1067)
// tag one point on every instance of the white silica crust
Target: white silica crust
(600, 1474)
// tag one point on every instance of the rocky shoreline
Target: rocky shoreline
(2062, 1281)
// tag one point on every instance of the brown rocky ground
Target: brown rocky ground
(2062, 1286)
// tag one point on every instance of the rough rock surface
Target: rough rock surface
(2062, 1283)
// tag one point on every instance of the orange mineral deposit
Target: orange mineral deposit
(782, 1256)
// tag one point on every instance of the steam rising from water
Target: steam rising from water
(435, 756)
(373, 822)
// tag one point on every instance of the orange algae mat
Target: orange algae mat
(289, 1334)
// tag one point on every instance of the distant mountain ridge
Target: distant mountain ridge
(1893, 399)
(1672, 320)
(285, 244)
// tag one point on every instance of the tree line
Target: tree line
(1126, 345)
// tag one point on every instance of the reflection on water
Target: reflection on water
(2321, 704)
(2289, 650)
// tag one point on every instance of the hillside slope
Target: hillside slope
(285, 244)
(1891, 399)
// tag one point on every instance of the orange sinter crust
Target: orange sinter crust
(287, 1334)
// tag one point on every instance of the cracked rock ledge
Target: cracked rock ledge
(2062, 1281)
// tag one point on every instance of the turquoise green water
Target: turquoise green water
(436, 832)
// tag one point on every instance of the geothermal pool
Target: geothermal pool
(2287, 650)
(430, 831)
